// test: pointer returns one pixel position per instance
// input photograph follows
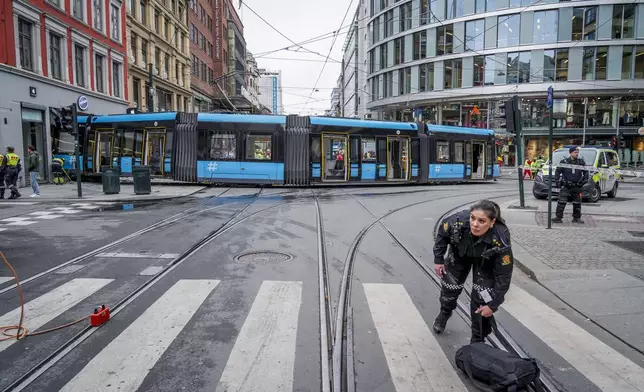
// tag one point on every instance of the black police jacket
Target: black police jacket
(579, 177)
(493, 252)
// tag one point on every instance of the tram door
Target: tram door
(154, 151)
(335, 157)
(479, 167)
(103, 149)
(398, 164)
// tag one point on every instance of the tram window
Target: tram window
(128, 144)
(118, 142)
(316, 151)
(138, 144)
(258, 147)
(368, 150)
(458, 152)
(168, 144)
(222, 145)
(442, 152)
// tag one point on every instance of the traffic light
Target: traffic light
(511, 113)
(67, 119)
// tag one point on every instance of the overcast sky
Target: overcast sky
(299, 20)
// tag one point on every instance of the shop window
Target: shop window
(258, 147)
(442, 152)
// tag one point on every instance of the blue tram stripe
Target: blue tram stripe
(140, 117)
(354, 123)
(242, 118)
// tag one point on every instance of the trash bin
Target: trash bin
(111, 179)
(142, 181)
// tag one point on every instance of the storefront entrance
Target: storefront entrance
(33, 133)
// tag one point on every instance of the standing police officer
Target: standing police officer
(13, 170)
(3, 170)
(570, 182)
(479, 240)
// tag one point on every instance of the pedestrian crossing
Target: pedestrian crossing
(31, 218)
(263, 355)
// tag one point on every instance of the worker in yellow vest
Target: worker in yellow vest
(3, 170)
(13, 169)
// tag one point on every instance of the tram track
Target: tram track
(501, 338)
(54, 357)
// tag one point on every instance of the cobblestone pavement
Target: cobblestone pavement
(579, 248)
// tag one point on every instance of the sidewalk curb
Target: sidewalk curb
(527, 263)
(131, 198)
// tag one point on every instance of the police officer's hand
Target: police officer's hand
(439, 269)
(485, 311)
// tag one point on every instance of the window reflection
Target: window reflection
(562, 65)
(508, 31)
(474, 35)
(545, 27)
(548, 65)
(627, 63)
(584, 23)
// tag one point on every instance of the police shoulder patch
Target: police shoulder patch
(506, 260)
(445, 226)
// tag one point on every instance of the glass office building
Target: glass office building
(453, 62)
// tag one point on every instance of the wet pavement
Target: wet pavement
(240, 311)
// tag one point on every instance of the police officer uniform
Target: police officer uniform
(13, 170)
(490, 257)
(570, 182)
(3, 170)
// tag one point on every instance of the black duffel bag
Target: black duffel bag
(494, 370)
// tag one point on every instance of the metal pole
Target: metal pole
(517, 125)
(77, 150)
(150, 89)
(583, 142)
(551, 111)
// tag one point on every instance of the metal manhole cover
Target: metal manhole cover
(263, 258)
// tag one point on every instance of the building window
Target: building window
(548, 65)
(479, 71)
(167, 64)
(399, 50)
(584, 23)
(156, 22)
(588, 64)
(474, 35)
(383, 56)
(453, 74)
(480, 6)
(639, 62)
(97, 14)
(99, 65)
(133, 47)
(26, 44)
(627, 62)
(601, 62)
(490, 68)
(454, 9)
(78, 9)
(143, 16)
(545, 25)
(624, 21)
(116, 78)
(508, 31)
(518, 68)
(404, 81)
(55, 56)
(176, 36)
(136, 92)
(79, 61)
(445, 39)
(561, 65)
(144, 52)
(420, 45)
(167, 29)
(389, 23)
(115, 22)
(424, 12)
(405, 17)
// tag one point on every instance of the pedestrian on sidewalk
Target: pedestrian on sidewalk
(480, 240)
(571, 182)
(34, 165)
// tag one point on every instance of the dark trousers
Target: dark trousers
(567, 195)
(456, 273)
(10, 180)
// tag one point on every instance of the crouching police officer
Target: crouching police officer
(570, 182)
(480, 241)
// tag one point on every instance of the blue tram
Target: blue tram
(284, 150)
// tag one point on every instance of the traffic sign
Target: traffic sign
(550, 91)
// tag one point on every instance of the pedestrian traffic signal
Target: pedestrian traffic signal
(67, 119)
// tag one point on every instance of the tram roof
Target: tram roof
(357, 123)
(461, 130)
(242, 118)
(138, 117)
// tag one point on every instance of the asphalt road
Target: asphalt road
(241, 312)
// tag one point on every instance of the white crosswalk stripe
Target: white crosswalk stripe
(50, 214)
(124, 363)
(48, 306)
(263, 356)
(5, 279)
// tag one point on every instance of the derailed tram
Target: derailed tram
(223, 148)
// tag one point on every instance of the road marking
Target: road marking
(138, 255)
(45, 215)
(3, 229)
(126, 361)
(416, 360)
(24, 203)
(263, 357)
(47, 307)
(605, 367)
(18, 221)
(151, 271)
(66, 210)
(70, 269)
(5, 279)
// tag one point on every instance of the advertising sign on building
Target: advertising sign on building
(217, 30)
(274, 94)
